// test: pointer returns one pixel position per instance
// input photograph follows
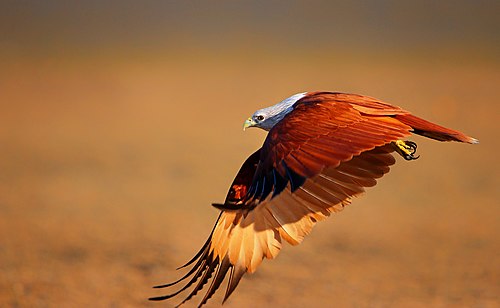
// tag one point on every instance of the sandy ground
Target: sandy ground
(107, 170)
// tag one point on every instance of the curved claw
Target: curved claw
(410, 157)
(412, 146)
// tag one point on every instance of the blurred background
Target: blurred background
(121, 121)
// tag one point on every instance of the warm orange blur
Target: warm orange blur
(112, 150)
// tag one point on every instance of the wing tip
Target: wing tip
(158, 298)
(237, 273)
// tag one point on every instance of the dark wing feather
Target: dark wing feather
(220, 274)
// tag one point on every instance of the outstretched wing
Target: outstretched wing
(242, 238)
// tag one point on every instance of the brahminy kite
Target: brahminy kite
(322, 149)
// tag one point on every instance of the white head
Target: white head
(266, 118)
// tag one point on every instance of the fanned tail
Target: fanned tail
(434, 131)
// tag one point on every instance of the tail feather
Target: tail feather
(434, 131)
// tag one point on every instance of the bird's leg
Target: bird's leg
(406, 149)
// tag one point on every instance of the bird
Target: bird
(322, 150)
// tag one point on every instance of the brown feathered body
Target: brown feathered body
(323, 152)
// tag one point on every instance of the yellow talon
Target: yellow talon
(403, 147)
(406, 149)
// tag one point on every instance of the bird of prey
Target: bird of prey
(322, 149)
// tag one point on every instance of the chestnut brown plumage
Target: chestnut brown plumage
(322, 150)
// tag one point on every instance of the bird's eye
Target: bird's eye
(259, 117)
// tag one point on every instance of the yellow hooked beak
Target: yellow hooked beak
(248, 123)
